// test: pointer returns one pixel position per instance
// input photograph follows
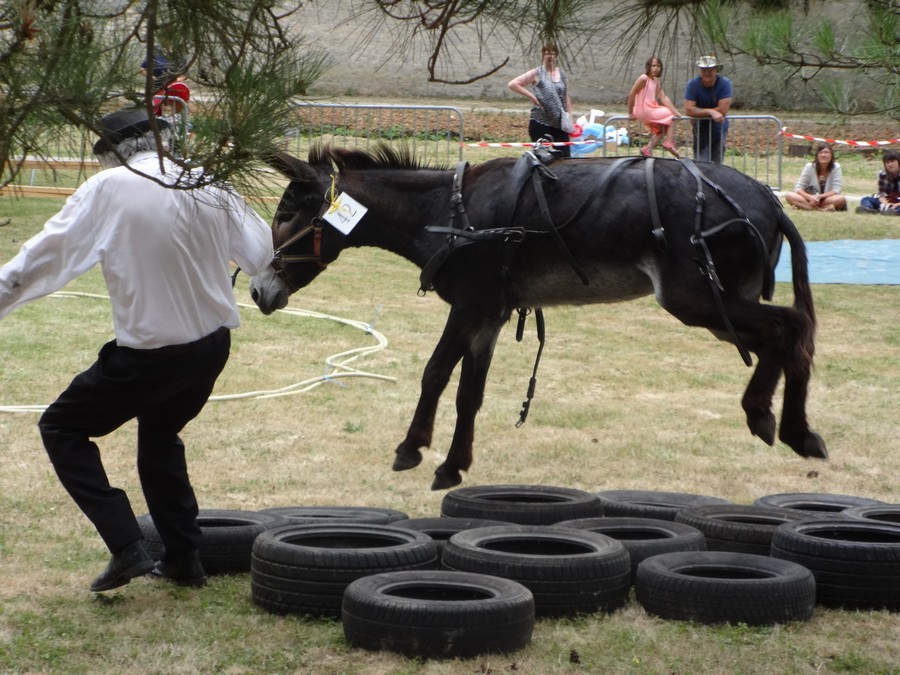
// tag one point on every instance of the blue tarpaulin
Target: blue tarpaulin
(847, 261)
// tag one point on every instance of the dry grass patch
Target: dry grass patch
(627, 397)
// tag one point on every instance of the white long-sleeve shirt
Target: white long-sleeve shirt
(164, 253)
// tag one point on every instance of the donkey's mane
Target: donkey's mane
(382, 157)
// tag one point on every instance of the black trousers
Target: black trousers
(709, 141)
(164, 389)
(536, 131)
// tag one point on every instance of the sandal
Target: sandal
(671, 148)
(646, 151)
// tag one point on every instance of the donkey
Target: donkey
(509, 234)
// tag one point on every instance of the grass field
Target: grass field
(627, 397)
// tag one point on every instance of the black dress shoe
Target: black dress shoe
(184, 570)
(132, 561)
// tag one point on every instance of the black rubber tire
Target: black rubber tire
(720, 587)
(651, 503)
(441, 529)
(228, 536)
(643, 537)
(438, 614)
(569, 571)
(819, 504)
(740, 528)
(310, 515)
(304, 569)
(856, 562)
(522, 504)
(885, 513)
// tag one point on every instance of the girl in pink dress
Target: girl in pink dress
(648, 103)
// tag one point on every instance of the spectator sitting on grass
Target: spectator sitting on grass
(887, 200)
(820, 183)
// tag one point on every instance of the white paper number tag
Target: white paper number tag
(344, 213)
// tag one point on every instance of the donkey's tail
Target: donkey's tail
(803, 300)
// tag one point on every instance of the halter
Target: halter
(315, 226)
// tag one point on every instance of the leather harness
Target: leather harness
(533, 164)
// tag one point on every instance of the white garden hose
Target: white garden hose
(337, 365)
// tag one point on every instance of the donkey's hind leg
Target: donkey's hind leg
(757, 400)
(794, 430)
(781, 337)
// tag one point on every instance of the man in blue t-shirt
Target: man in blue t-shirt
(707, 98)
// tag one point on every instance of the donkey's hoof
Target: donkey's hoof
(407, 459)
(763, 426)
(445, 479)
(814, 446)
(810, 445)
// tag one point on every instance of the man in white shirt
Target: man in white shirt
(164, 252)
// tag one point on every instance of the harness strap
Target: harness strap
(430, 269)
(518, 176)
(742, 217)
(513, 235)
(706, 260)
(659, 232)
(532, 383)
(548, 221)
(456, 198)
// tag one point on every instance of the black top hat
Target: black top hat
(122, 124)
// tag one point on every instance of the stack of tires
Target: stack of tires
(474, 580)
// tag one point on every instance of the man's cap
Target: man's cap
(122, 124)
(708, 61)
(160, 65)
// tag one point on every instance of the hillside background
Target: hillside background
(370, 61)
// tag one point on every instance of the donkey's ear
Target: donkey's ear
(290, 166)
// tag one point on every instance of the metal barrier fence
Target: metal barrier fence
(433, 133)
(436, 135)
(754, 145)
(68, 158)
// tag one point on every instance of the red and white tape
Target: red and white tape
(527, 145)
(784, 132)
(833, 141)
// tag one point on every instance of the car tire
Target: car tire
(739, 528)
(643, 537)
(521, 504)
(816, 504)
(441, 529)
(304, 569)
(227, 538)
(310, 515)
(568, 571)
(650, 503)
(885, 513)
(856, 562)
(720, 587)
(438, 614)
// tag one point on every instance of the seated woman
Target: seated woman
(820, 183)
(648, 103)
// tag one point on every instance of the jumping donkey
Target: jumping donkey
(510, 234)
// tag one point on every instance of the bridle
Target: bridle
(280, 259)
(315, 227)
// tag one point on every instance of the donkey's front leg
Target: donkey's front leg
(469, 397)
(449, 351)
